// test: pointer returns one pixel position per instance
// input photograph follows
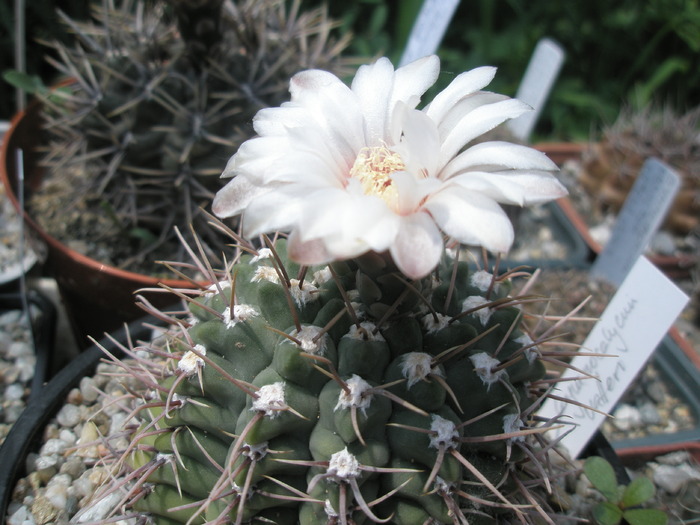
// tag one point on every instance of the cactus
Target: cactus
(611, 166)
(343, 394)
(162, 93)
(316, 380)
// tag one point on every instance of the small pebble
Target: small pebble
(14, 392)
(672, 478)
(68, 416)
(627, 417)
(22, 516)
(54, 447)
(68, 437)
(89, 434)
(57, 490)
(88, 389)
(20, 349)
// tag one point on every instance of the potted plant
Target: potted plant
(609, 168)
(350, 369)
(158, 96)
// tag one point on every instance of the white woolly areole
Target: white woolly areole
(442, 486)
(531, 353)
(221, 285)
(432, 325)
(302, 294)
(415, 366)
(307, 336)
(180, 398)
(365, 332)
(265, 273)
(343, 465)
(484, 365)
(444, 433)
(475, 301)
(263, 253)
(323, 276)
(167, 458)
(241, 312)
(355, 397)
(512, 423)
(270, 400)
(255, 452)
(482, 280)
(328, 508)
(191, 362)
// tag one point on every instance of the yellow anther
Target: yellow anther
(373, 168)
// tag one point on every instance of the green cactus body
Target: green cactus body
(376, 401)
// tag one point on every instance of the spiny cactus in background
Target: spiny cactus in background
(611, 166)
(163, 94)
(344, 394)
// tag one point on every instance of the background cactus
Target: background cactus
(163, 94)
(611, 166)
(343, 394)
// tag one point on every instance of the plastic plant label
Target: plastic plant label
(428, 29)
(631, 327)
(644, 209)
(540, 75)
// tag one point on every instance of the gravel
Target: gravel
(17, 362)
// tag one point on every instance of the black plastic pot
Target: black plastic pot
(27, 430)
(43, 327)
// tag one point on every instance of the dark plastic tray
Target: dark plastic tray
(683, 378)
(578, 253)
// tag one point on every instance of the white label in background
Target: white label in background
(428, 29)
(536, 84)
(633, 324)
(641, 215)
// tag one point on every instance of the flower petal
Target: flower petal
(471, 218)
(522, 188)
(255, 156)
(412, 191)
(321, 93)
(235, 197)
(373, 85)
(309, 253)
(413, 80)
(464, 84)
(418, 246)
(274, 210)
(498, 154)
(417, 140)
(477, 122)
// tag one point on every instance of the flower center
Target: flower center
(373, 168)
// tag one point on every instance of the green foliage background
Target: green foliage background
(627, 52)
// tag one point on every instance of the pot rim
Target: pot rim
(95, 265)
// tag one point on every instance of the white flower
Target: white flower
(347, 170)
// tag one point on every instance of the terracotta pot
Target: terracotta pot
(560, 152)
(99, 298)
